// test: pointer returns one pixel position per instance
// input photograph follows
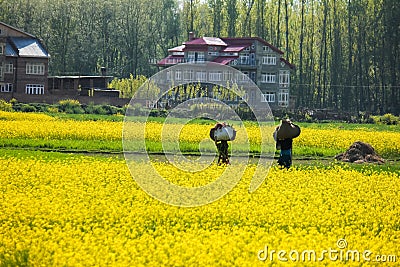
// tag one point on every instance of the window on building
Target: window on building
(8, 68)
(6, 87)
(215, 76)
(234, 62)
(34, 89)
(283, 98)
(10, 87)
(191, 56)
(266, 49)
(200, 57)
(242, 77)
(2, 49)
(168, 75)
(268, 77)
(178, 75)
(244, 59)
(284, 78)
(269, 60)
(35, 68)
(201, 76)
(268, 97)
(174, 60)
(1, 71)
(228, 75)
(188, 75)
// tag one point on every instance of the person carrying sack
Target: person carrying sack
(221, 134)
(222, 147)
(283, 136)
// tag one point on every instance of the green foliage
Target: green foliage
(158, 113)
(52, 109)
(344, 60)
(20, 258)
(28, 108)
(80, 145)
(74, 145)
(87, 117)
(13, 101)
(70, 106)
(68, 103)
(5, 106)
(109, 110)
(94, 109)
(67, 106)
(128, 86)
(388, 119)
(138, 109)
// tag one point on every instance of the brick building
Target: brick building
(253, 56)
(24, 68)
(23, 63)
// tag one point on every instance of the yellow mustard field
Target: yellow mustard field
(40, 126)
(72, 210)
(88, 211)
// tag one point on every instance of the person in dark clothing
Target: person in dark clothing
(222, 147)
(285, 156)
(283, 137)
(221, 142)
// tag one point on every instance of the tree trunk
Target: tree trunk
(301, 82)
(278, 27)
(287, 52)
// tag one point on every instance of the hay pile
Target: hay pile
(360, 152)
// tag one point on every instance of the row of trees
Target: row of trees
(346, 52)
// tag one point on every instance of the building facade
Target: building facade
(253, 56)
(24, 68)
(23, 63)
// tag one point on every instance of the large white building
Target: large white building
(256, 58)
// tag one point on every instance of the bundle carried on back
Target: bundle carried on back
(222, 132)
(286, 130)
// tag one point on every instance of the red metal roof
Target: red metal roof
(177, 49)
(234, 48)
(206, 41)
(227, 44)
(249, 40)
(224, 60)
